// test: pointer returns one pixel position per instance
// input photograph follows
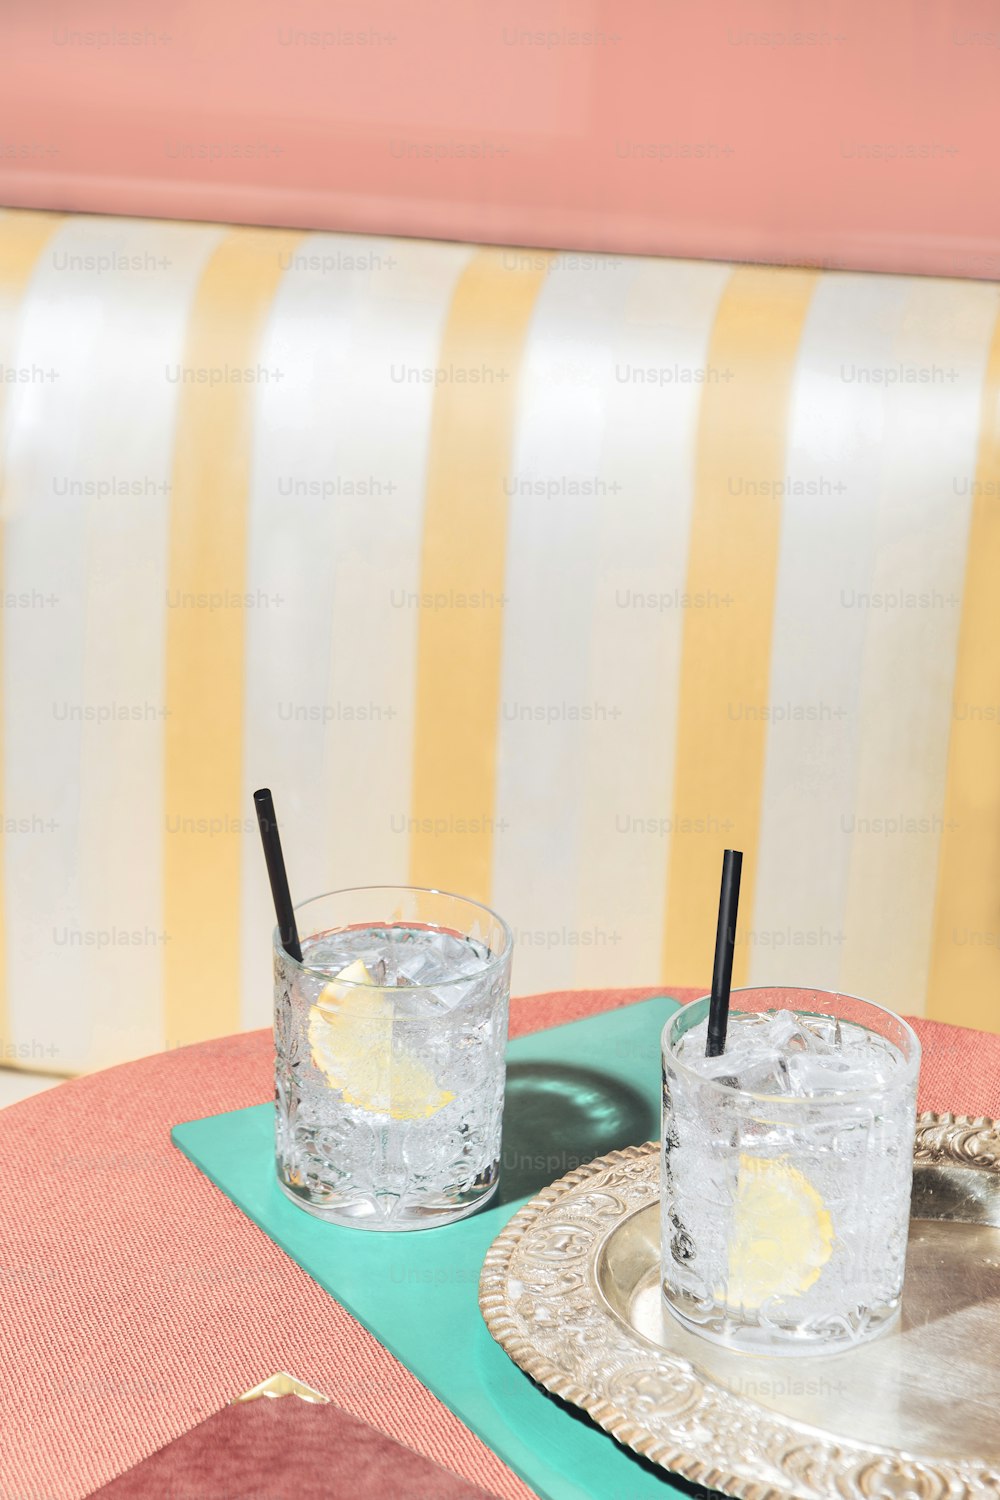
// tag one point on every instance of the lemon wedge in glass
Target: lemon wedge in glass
(782, 1234)
(350, 1036)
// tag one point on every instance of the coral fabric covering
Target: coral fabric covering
(138, 1300)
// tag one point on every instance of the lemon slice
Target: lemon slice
(782, 1234)
(350, 1035)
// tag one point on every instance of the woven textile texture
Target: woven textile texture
(138, 1300)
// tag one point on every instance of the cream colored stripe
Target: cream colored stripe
(965, 957)
(23, 237)
(795, 932)
(120, 482)
(722, 727)
(334, 568)
(218, 380)
(596, 561)
(554, 566)
(912, 613)
(648, 432)
(45, 564)
(462, 573)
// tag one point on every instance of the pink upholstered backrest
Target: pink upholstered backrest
(841, 134)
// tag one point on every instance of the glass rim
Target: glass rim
(495, 960)
(906, 1073)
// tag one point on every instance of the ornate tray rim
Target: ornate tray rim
(801, 1460)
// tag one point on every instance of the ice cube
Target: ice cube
(766, 1075)
(784, 1053)
(871, 1059)
(427, 957)
(790, 1034)
(716, 1068)
(418, 1003)
(782, 1028)
(741, 1067)
(812, 1074)
(823, 1033)
(421, 966)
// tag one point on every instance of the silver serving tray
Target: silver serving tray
(570, 1289)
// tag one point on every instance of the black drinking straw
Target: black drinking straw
(725, 941)
(281, 895)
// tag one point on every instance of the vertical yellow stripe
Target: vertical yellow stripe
(23, 237)
(964, 983)
(204, 650)
(462, 575)
(733, 563)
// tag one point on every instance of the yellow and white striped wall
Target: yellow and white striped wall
(541, 578)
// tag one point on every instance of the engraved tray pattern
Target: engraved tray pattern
(540, 1297)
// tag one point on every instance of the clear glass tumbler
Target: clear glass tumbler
(390, 1038)
(786, 1170)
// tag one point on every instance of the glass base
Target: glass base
(720, 1327)
(364, 1213)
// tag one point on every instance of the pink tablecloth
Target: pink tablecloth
(137, 1299)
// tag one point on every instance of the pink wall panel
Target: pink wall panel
(845, 133)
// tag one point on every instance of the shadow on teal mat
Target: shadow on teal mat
(559, 1116)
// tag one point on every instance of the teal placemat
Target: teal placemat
(573, 1093)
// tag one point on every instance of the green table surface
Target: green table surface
(573, 1093)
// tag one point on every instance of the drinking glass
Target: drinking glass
(389, 1056)
(786, 1173)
